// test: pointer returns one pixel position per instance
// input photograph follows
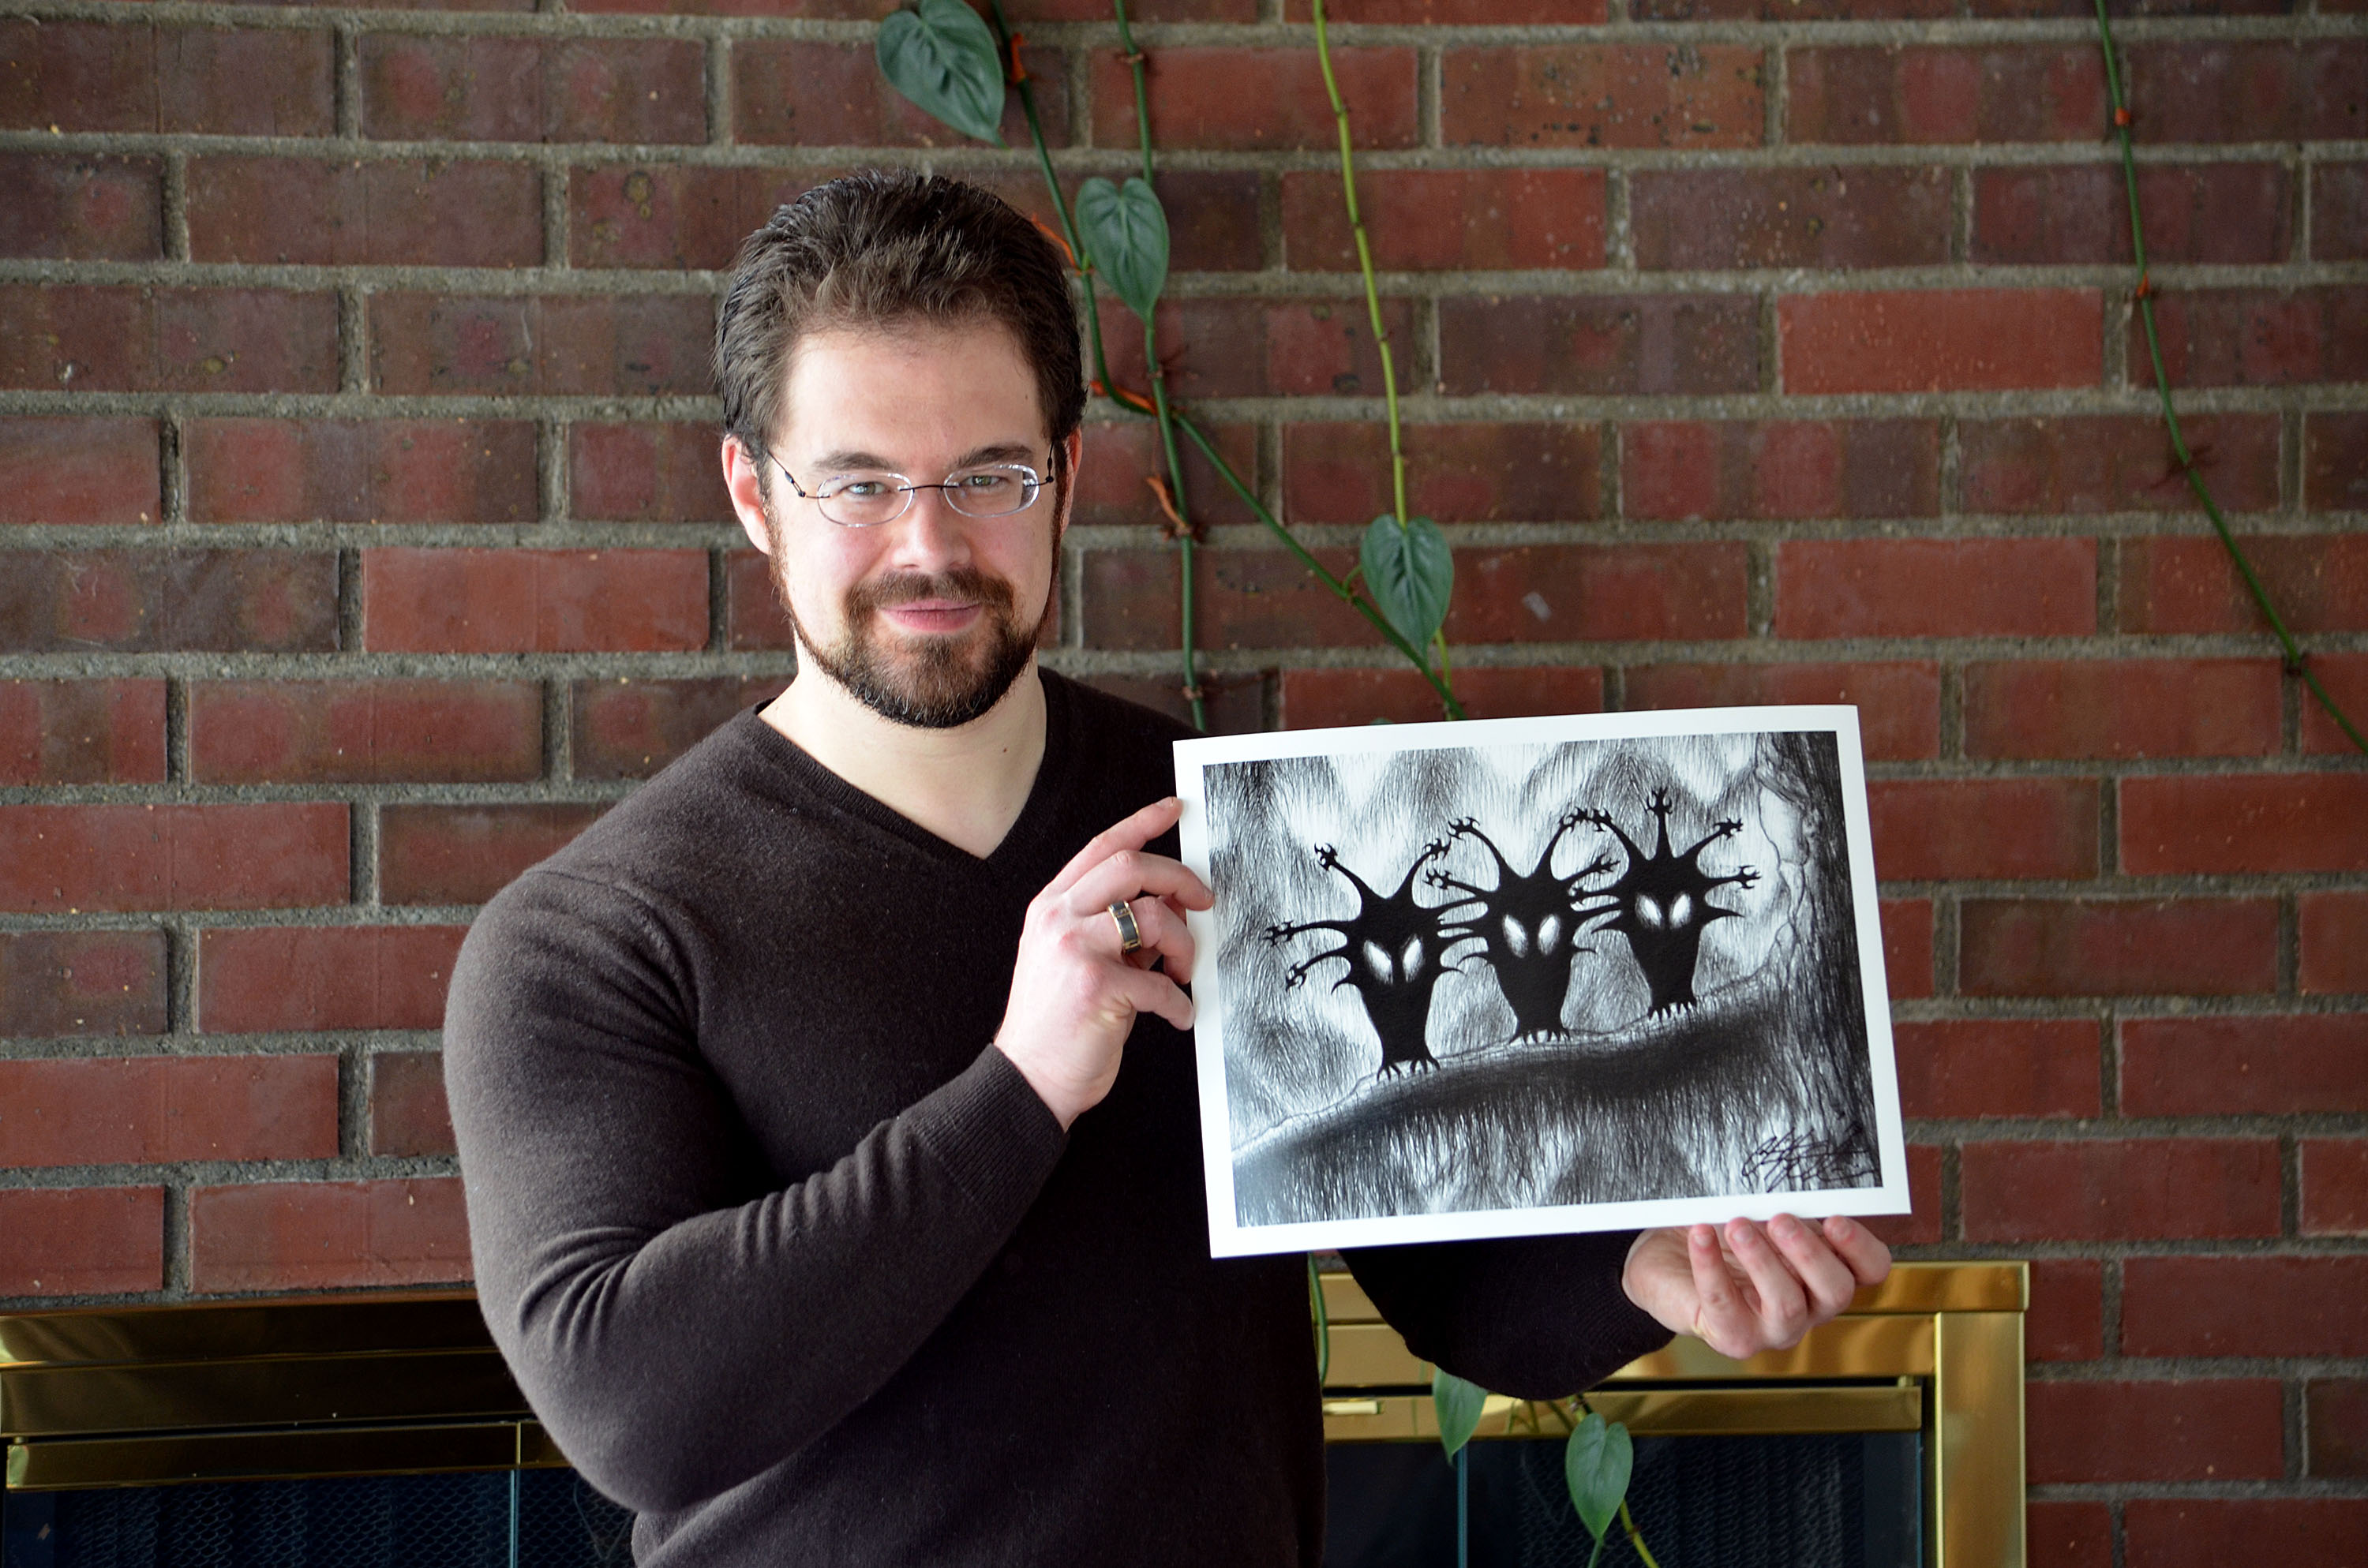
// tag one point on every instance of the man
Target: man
(833, 1170)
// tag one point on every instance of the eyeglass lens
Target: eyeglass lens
(862, 500)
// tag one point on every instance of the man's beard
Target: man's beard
(935, 683)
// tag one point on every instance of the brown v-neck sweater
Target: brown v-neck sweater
(792, 1262)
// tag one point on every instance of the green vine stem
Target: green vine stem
(2296, 661)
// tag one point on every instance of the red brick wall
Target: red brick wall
(360, 539)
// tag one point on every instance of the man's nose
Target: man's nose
(931, 533)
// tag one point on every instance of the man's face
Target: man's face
(928, 619)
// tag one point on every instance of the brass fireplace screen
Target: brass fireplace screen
(379, 1385)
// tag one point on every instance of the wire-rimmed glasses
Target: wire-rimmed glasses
(864, 499)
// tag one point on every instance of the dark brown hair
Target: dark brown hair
(884, 246)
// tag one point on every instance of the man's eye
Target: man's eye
(985, 484)
(862, 489)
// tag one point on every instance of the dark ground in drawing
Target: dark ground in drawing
(1518, 976)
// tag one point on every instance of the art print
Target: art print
(1526, 976)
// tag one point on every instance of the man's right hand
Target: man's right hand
(1073, 995)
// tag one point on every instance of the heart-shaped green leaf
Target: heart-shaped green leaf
(1410, 573)
(941, 56)
(1457, 1405)
(1125, 231)
(1596, 1463)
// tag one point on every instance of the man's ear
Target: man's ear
(745, 480)
(1073, 447)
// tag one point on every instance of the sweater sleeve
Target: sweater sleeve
(676, 1334)
(1535, 1317)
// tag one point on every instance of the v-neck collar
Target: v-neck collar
(1022, 843)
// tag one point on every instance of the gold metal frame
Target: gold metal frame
(375, 1385)
(1936, 1348)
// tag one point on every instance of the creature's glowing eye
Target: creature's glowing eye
(1549, 933)
(1649, 913)
(1379, 962)
(1410, 960)
(1516, 939)
(1682, 909)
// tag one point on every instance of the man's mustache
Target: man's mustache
(962, 583)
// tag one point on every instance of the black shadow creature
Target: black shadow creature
(1528, 925)
(1661, 902)
(1392, 951)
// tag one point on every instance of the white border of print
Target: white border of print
(1227, 1238)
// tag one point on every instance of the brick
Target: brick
(1899, 704)
(656, 215)
(1907, 946)
(1221, 348)
(323, 1236)
(82, 732)
(581, 345)
(1974, 587)
(2264, 90)
(630, 729)
(1315, 698)
(2335, 462)
(646, 473)
(1643, 95)
(1779, 468)
(2220, 214)
(81, 982)
(69, 859)
(1863, 217)
(76, 76)
(439, 213)
(2152, 1188)
(533, 601)
(365, 731)
(832, 95)
(2334, 942)
(1213, 214)
(2244, 1306)
(407, 1113)
(2224, 1429)
(1920, 1226)
(82, 207)
(1455, 13)
(1935, 829)
(2052, 465)
(78, 470)
(351, 470)
(2259, 337)
(2339, 212)
(227, 82)
(2294, 1532)
(68, 337)
(754, 617)
(2121, 708)
(2345, 676)
(2216, 947)
(134, 1111)
(1258, 98)
(1600, 345)
(2068, 1535)
(1233, 703)
(2133, 8)
(2336, 1421)
(1447, 220)
(2320, 583)
(266, 978)
(475, 87)
(1940, 340)
(1861, 95)
(2066, 1320)
(181, 600)
(1119, 457)
(81, 1241)
(466, 853)
(2245, 822)
(1455, 474)
(1963, 1068)
(2238, 1066)
(2335, 1187)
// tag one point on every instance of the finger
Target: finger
(1721, 1321)
(1783, 1305)
(1132, 873)
(1827, 1279)
(1154, 993)
(1869, 1259)
(1132, 834)
(1165, 936)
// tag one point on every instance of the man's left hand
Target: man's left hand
(1743, 1287)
